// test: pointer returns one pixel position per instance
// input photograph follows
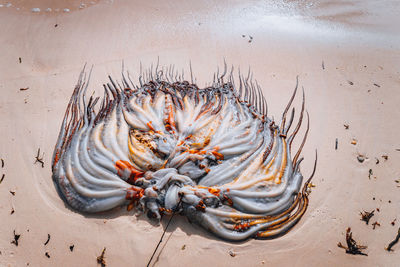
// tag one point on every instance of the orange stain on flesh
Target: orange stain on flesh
(214, 191)
(150, 126)
(170, 122)
(122, 165)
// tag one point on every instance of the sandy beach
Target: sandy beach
(345, 53)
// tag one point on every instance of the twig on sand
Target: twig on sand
(166, 227)
(48, 239)
(391, 244)
(39, 159)
(352, 246)
(375, 224)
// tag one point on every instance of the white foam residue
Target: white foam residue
(35, 10)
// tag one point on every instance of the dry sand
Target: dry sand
(356, 41)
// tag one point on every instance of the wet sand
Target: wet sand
(347, 57)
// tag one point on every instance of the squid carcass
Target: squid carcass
(166, 145)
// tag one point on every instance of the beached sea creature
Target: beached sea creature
(166, 145)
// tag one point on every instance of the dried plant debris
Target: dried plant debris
(39, 159)
(370, 173)
(16, 238)
(20, 60)
(366, 216)
(377, 161)
(2, 178)
(354, 142)
(336, 144)
(394, 242)
(24, 89)
(2, 163)
(350, 82)
(231, 253)
(183, 247)
(346, 126)
(385, 157)
(377, 85)
(393, 222)
(48, 239)
(12, 193)
(375, 224)
(323, 65)
(71, 248)
(102, 259)
(47, 255)
(12, 211)
(352, 246)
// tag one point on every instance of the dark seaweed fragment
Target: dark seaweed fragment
(366, 216)
(352, 246)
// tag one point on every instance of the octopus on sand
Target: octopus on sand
(166, 145)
